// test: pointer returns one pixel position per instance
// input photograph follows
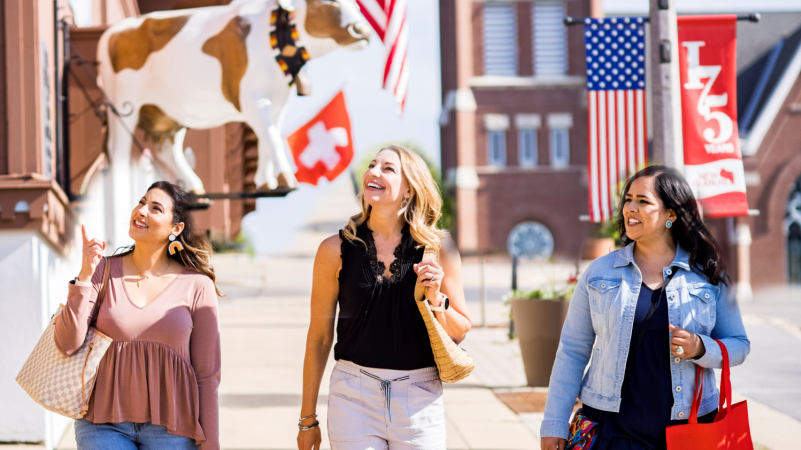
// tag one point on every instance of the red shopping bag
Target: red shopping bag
(729, 431)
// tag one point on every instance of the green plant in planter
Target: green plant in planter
(609, 229)
(550, 293)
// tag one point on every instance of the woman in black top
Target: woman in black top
(385, 391)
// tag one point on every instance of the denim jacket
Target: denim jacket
(598, 331)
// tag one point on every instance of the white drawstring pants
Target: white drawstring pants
(382, 409)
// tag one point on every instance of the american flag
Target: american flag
(388, 19)
(617, 135)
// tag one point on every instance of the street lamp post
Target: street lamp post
(667, 138)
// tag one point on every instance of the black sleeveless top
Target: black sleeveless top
(379, 324)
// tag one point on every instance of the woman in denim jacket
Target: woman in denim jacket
(641, 376)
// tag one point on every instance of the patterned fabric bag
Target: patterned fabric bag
(583, 432)
(64, 384)
(453, 362)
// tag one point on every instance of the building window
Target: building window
(496, 126)
(559, 126)
(500, 40)
(550, 38)
(527, 126)
(496, 147)
(527, 147)
(560, 147)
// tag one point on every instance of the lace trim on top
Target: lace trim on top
(378, 267)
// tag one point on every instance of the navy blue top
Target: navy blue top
(647, 392)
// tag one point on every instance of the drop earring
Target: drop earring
(175, 245)
(405, 201)
(668, 224)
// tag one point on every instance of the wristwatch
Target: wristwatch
(444, 304)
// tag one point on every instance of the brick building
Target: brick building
(51, 151)
(514, 127)
(769, 108)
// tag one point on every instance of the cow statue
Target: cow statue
(201, 68)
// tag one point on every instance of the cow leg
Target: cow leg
(274, 168)
(170, 152)
(120, 178)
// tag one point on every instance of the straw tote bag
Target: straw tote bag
(453, 363)
(729, 430)
(63, 384)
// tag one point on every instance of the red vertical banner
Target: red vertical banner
(713, 164)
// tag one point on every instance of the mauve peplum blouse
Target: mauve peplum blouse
(164, 364)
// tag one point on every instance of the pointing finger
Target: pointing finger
(83, 231)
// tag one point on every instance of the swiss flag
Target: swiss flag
(324, 146)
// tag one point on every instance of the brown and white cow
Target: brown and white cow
(204, 67)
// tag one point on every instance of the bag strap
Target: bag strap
(698, 394)
(429, 254)
(651, 311)
(725, 384)
(724, 403)
(103, 289)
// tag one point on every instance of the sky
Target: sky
(373, 117)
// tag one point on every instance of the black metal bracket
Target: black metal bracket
(202, 201)
(752, 17)
(265, 193)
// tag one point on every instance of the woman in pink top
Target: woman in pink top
(157, 385)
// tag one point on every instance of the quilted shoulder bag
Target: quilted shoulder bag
(453, 363)
(64, 384)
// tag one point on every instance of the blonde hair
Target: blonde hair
(423, 209)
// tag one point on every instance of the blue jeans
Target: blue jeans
(128, 436)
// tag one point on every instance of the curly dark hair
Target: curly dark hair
(688, 230)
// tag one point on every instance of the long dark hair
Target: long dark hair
(197, 251)
(688, 230)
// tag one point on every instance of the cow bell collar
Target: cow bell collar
(290, 55)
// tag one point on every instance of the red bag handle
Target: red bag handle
(725, 384)
(724, 403)
(699, 390)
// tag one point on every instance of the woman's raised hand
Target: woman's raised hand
(692, 345)
(92, 254)
(431, 274)
(552, 443)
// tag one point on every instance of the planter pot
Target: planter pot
(538, 324)
(596, 247)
